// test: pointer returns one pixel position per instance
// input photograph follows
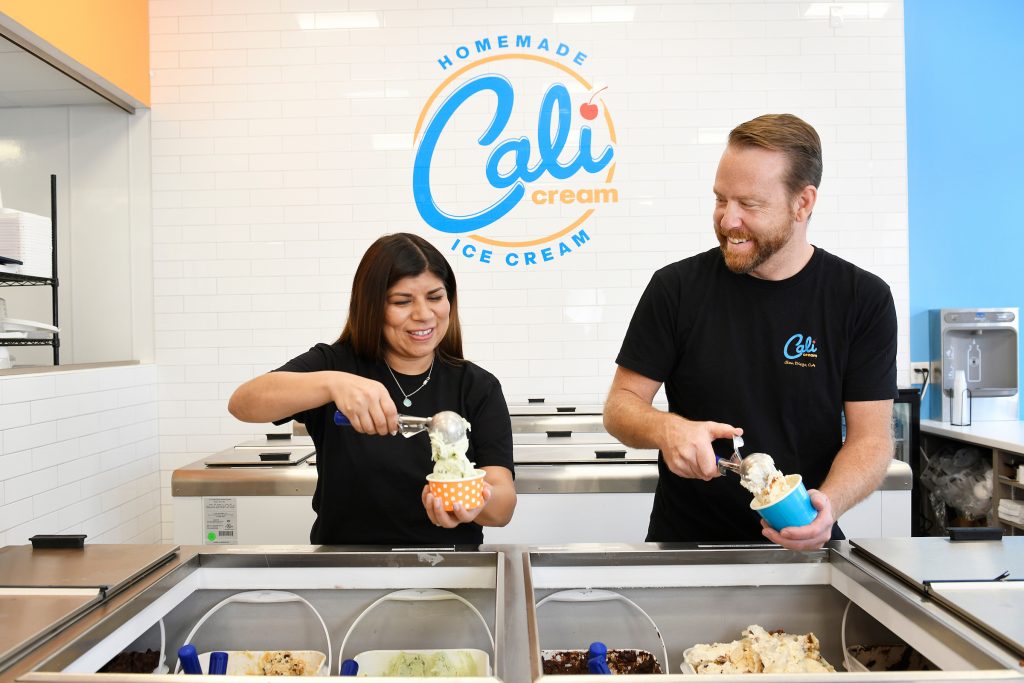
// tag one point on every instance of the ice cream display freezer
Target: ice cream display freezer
(303, 605)
(513, 603)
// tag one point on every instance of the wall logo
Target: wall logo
(515, 151)
(804, 348)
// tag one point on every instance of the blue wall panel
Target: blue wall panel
(965, 156)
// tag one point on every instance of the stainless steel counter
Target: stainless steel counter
(196, 479)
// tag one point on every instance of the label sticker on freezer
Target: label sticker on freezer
(220, 521)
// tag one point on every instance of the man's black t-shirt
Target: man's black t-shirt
(368, 487)
(777, 358)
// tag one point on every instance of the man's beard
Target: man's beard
(765, 247)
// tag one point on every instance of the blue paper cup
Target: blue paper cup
(793, 509)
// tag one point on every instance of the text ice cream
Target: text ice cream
(450, 461)
(760, 651)
(448, 664)
(761, 478)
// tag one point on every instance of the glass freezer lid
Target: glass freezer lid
(107, 566)
(275, 441)
(32, 614)
(581, 453)
(271, 456)
(996, 607)
(920, 561)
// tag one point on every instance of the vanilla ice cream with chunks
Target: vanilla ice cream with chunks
(760, 651)
(450, 461)
(762, 479)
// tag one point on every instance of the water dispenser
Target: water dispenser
(981, 342)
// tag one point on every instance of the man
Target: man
(767, 336)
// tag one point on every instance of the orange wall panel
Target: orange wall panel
(111, 37)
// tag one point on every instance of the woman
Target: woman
(402, 344)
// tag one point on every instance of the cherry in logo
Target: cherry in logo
(588, 110)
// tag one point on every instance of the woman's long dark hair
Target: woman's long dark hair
(387, 261)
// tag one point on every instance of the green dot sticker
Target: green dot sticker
(212, 536)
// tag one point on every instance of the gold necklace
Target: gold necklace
(407, 400)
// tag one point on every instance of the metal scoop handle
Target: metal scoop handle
(734, 463)
(408, 425)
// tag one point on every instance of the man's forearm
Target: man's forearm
(856, 472)
(631, 420)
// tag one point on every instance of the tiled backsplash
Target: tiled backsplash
(283, 144)
(79, 454)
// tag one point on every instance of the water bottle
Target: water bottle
(960, 401)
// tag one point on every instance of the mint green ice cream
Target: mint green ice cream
(437, 664)
(450, 461)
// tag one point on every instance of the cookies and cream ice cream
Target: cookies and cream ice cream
(761, 478)
(760, 651)
(452, 663)
(450, 461)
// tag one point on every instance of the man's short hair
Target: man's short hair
(790, 135)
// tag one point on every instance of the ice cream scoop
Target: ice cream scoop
(447, 425)
(735, 463)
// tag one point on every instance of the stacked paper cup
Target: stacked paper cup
(27, 238)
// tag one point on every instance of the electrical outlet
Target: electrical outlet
(935, 367)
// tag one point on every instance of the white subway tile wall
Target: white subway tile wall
(79, 454)
(283, 145)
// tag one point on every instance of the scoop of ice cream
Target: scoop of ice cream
(450, 461)
(434, 664)
(761, 478)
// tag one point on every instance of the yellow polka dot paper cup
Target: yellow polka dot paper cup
(468, 491)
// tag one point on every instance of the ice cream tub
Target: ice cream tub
(792, 509)
(620, 661)
(465, 490)
(271, 663)
(448, 663)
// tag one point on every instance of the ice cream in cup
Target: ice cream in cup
(792, 508)
(454, 479)
(781, 500)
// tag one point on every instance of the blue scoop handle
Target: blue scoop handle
(189, 660)
(218, 663)
(597, 662)
(341, 420)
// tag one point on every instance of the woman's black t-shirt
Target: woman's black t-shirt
(368, 489)
(777, 358)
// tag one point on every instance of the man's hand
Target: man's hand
(686, 445)
(811, 536)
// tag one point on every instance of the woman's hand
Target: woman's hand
(450, 520)
(365, 402)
